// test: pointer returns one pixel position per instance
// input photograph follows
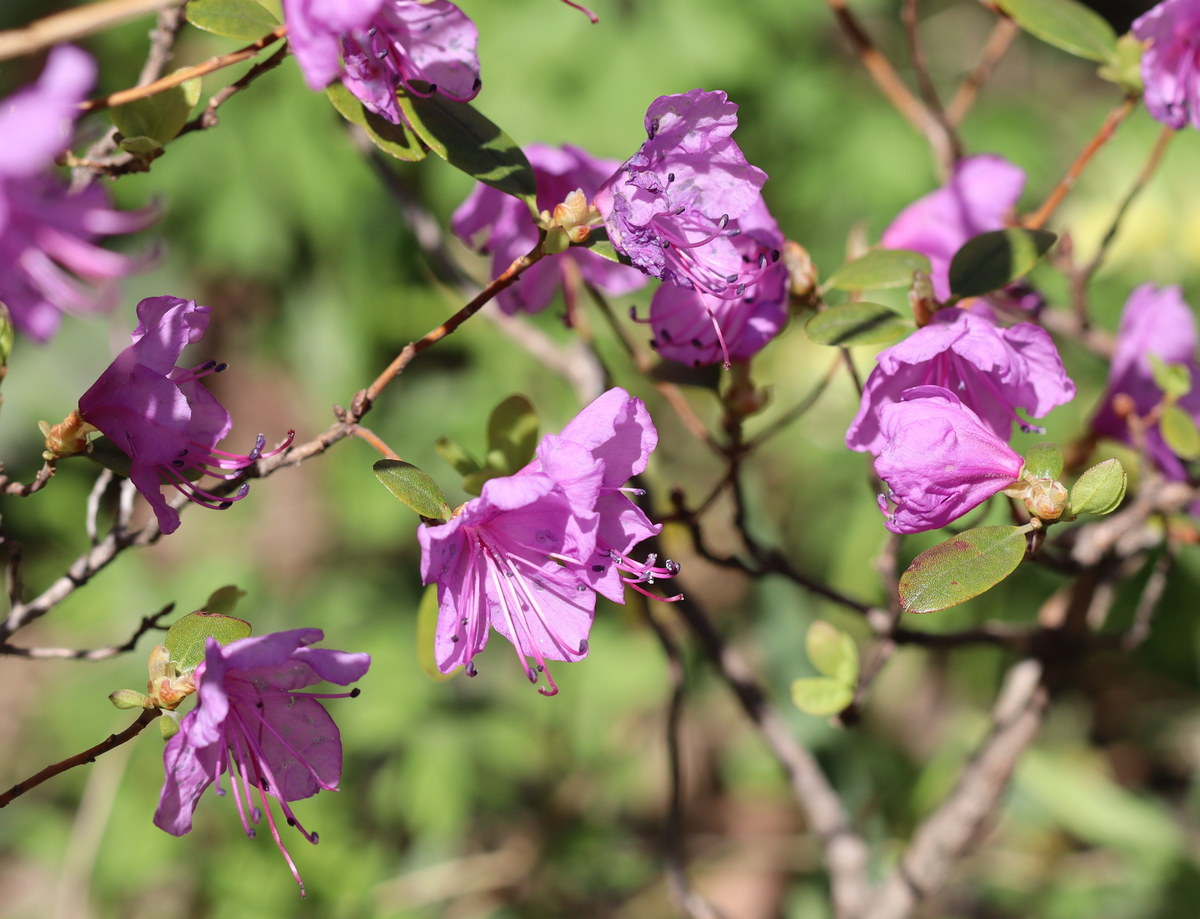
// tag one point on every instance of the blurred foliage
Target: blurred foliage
(479, 798)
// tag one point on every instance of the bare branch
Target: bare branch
(72, 24)
(89, 755)
(153, 621)
(994, 50)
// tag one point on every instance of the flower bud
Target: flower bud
(921, 299)
(802, 273)
(166, 686)
(130, 698)
(66, 438)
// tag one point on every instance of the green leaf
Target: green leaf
(1044, 461)
(1099, 490)
(145, 149)
(456, 455)
(1125, 69)
(962, 567)
(1175, 380)
(393, 139)
(159, 117)
(599, 243)
(821, 695)
(472, 144)
(512, 434)
(427, 618)
(224, 600)
(990, 260)
(1067, 25)
(185, 639)
(1179, 431)
(832, 652)
(856, 324)
(878, 269)
(413, 486)
(241, 19)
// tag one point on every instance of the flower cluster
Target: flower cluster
(1171, 61)
(668, 207)
(1156, 322)
(48, 234)
(528, 556)
(161, 415)
(501, 225)
(252, 720)
(939, 459)
(993, 370)
(376, 47)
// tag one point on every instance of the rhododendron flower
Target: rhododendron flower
(252, 720)
(1171, 61)
(47, 234)
(420, 46)
(161, 415)
(503, 227)
(993, 370)
(669, 206)
(527, 556)
(939, 459)
(1156, 321)
(982, 190)
(697, 328)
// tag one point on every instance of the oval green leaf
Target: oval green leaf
(1180, 433)
(1099, 490)
(159, 117)
(832, 652)
(512, 434)
(878, 269)
(224, 600)
(427, 619)
(185, 639)
(472, 144)
(962, 567)
(456, 455)
(393, 139)
(1067, 25)
(821, 695)
(856, 324)
(1044, 461)
(414, 487)
(241, 19)
(990, 260)
(1175, 380)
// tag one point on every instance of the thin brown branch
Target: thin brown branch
(87, 756)
(798, 410)
(944, 837)
(952, 148)
(183, 75)
(374, 440)
(846, 853)
(993, 52)
(25, 489)
(687, 901)
(208, 118)
(148, 623)
(1038, 218)
(889, 83)
(75, 23)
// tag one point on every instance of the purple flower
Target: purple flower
(420, 46)
(993, 370)
(251, 720)
(668, 207)
(529, 554)
(1158, 322)
(696, 328)
(47, 234)
(508, 231)
(939, 459)
(161, 415)
(1171, 61)
(981, 192)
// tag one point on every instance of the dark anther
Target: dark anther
(679, 210)
(316, 838)
(454, 638)
(775, 255)
(220, 368)
(583, 646)
(355, 693)
(724, 221)
(741, 289)
(472, 670)
(291, 821)
(475, 86)
(178, 464)
(532, 674)
(597, 567)
(729, 279)
(666, 336)
(670, 177)
(259, 443)
(697, 343)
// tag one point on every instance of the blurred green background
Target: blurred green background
(478, 798)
